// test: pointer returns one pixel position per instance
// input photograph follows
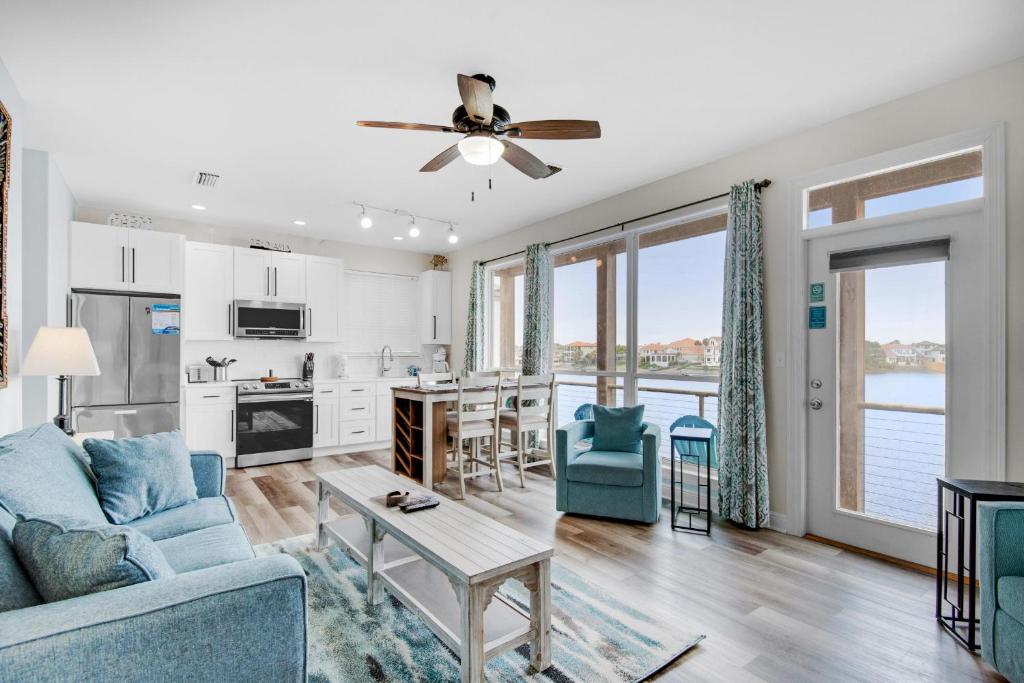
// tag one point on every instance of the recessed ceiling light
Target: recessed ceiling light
(298, 222)
(398, 238)
(199, 207)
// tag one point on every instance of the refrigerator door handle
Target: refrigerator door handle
(126, 412)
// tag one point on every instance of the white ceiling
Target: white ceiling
(133, 97)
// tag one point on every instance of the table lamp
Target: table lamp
(62, 352)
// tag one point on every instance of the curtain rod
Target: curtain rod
(621, 225)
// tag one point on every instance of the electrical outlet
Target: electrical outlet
(780, 359)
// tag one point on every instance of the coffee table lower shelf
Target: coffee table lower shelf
(427, 590)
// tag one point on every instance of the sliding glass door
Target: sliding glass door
(636, 319)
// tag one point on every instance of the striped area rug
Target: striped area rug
(595, 637)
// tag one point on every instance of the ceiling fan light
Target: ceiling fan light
(480, 150)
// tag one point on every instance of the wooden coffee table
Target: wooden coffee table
(445, 564)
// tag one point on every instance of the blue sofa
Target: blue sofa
(1001, 545)
(227, 615)
(607, 483)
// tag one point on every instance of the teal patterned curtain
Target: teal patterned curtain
(537, 310)
(475, 320)
(743, 454)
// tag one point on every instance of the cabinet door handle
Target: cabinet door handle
(211, 396)
(231, 318)
(275, 280)
(358, 408)
(268, 280)
(355, 390)
(316, 419)
(309, 321)
(232, 425)
(133, 264)
(122, 264)
(361, 431)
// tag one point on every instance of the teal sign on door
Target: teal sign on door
(816, 317)
(817, 292)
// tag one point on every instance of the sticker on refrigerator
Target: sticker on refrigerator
(165, 318)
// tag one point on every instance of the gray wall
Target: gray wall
(993, 95)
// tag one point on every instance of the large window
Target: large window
(505, 343)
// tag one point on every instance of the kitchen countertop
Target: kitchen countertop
(316, 380)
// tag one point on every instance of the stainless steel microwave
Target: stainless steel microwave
(269, 320)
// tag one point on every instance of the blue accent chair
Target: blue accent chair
(1001, 537)
(694, 448)
(607, 483)
(585, 411)
(227, 615)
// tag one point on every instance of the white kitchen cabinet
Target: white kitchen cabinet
(209, 292)
(264, 275)
(289, 277)
(252, 273)
(122, 259)
(436, 307)
(210, 419)
(156, 261)
(325, 421)
(324, 280)
(385, 407)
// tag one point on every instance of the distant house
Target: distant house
(661, 355)
(688, 350)
(913, 355)
(575, 351)
(713, 352)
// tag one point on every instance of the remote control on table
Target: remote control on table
(420, 504)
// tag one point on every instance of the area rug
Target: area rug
(595, 637)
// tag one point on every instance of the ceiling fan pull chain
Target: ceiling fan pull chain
(472, 196)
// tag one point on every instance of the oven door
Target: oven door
(268, 424)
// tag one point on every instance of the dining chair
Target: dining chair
(532, 412)
(476, 419)
(428, 378)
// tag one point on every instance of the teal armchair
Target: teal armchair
(1001, 535)
(607, 483)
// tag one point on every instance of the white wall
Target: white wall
(10, 398)
(48, 206)
(256, 357)
(993, 95)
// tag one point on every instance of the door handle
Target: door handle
(815, 404)
(133, 264)
(122, 264)
(268, 280)
(275, 280)
(126, 412)
(308, 319)
(435, 327)
(316, 419)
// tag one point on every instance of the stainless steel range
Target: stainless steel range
(274, 423)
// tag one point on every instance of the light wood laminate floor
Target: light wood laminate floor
(773, 607)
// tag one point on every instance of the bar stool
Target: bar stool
(475, 419)
(428, 378)
(532, 412)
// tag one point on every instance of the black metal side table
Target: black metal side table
(703, 507)
(966, 492)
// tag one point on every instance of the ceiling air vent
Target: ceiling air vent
(206, 179)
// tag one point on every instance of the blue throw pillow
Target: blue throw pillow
(142, 475)
(67, 557)
(619, 429)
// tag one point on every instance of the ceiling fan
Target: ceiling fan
(483, 123)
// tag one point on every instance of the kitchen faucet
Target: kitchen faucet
(391, 358)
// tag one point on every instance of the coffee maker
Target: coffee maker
(440, 360)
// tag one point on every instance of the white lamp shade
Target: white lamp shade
(61, 351)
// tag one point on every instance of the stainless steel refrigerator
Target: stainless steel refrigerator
(137, 341)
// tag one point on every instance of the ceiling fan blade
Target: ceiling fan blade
(526, 162)
(441, 160)
(568, 129)
(406, 126)
(476, 95)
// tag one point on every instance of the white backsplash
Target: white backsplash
(256, 357)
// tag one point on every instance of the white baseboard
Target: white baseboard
(777, 522)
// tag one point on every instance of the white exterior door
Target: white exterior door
(896, 368)
(99, 257)
(155, 261)
(324, 279)
(209, 291)
(289, 277)
(252, 274)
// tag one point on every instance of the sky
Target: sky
(680, 285)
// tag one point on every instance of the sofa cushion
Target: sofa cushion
(618, 429)
(68, 557)
(206, 548)
(199, 514)
(1010, 596)
(16, 590)
(611, 468)
(44, 472)
(141, 475)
